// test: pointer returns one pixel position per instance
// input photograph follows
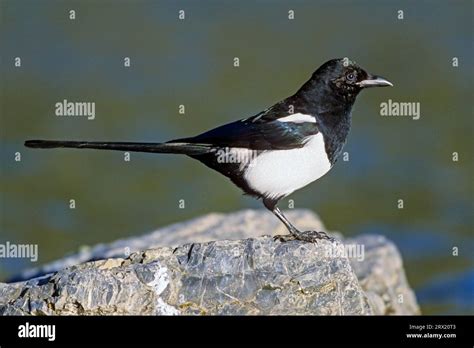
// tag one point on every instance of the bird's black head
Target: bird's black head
(345, 78)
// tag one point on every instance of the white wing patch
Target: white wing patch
(298, 118)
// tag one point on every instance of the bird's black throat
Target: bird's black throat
(332, 108)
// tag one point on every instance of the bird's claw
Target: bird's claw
(284, 237)
(306, 236)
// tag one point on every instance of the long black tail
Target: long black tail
(170, 147)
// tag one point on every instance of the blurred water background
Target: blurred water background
(190, 62)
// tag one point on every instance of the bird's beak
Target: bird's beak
(374, 81)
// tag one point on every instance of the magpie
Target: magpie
(277, 151)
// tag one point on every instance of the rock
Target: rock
(250, 275)
(214, 226)
(382, 277)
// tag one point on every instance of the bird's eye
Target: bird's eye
(350, 77)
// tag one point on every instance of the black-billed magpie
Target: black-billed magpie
(279, 150)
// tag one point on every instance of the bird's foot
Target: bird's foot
(306, 236)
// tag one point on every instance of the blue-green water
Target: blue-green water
(190, 62)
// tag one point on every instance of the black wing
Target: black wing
(258, 133)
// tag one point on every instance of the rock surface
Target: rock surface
(182, 271)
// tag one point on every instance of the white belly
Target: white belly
(280, 172)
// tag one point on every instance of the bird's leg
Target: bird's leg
(307, 236)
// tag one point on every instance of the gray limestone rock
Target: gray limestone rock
(182, 271)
